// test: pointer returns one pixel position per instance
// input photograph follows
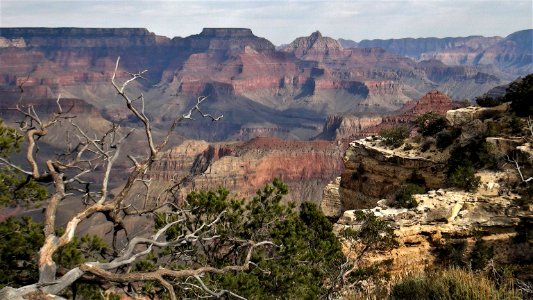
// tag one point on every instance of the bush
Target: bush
(465, 160)
(394, 136)
(451, 284)
(520, 94)
(303, 266)
(464, 177)
(404, 198)
(481, 254)
(516, 124)
(488, 101)
(446, 137)
(429, 124)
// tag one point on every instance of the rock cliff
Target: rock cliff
(448, 216)
(352, 126)
(313, 46)
(246, 78)
(372, 173)
(443, 216)
(512, 55)
(244, 167)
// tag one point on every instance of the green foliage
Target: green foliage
(18, 189)
(417, 179)
(10, 140)
(404, 198)
(14, 187)
(463, 176)
(415, 184)
(451, 284)
(488, 101)
(452, 253)
(524, 231)
(520, 94)
(374, 234)
(300, 266)
(465, 160)
(481, 254)
(21, 240)
(394, 136)
(516, 124)
(446, 137)
(429, 124)
(359, 172)
(80, 250)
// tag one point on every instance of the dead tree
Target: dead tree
(68, 176)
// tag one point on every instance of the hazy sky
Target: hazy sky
(282, 21)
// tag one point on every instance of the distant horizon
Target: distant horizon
(282, 21)
(346, 39)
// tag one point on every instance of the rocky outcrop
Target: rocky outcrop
(330, 203)
(447, 216)
(243, 168)
(343, 127)
(313, 46)
(443, 216)
(372, 173)
(462, 116)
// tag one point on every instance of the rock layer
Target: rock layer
(243, 168)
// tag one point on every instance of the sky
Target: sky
(282, 21)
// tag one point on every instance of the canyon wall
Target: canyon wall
(246, 78)
(245, 167)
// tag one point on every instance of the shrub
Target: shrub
(451, 252)
(404, 198)
(450, 284)
(516, 124)
(429, 124)
(464, 177)
(488, 101)
(464, 161)
(520, 94)
(481, 254)
(394, 136)
(446, 137)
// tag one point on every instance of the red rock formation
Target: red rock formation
(245, 167)
(313, 47)
(349, 127)
(312, 76)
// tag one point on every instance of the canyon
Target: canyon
(290, 91)
(314, 88)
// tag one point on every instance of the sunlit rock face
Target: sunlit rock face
(245, 167)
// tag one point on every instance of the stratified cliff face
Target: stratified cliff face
(512, 55)
(514, 52)
(243, 168)
(372, 173)
(313, 46)
(342, 127)
(246, 78)
(416, 47)
(81, 37)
